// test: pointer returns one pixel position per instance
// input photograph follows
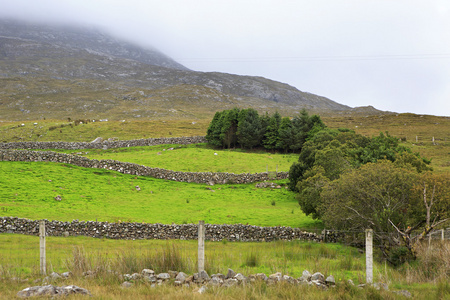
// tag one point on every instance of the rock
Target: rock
(181, 277)
(330, 280)
(218, 275)
(318, 277)
(163, 276)
(202, 289)
(137, 188)
(58, 198)
(151, 278)
(239, 277)
(203, 276)
(262, 276)
(126, 284)
(350, 282)
(289, 279)
(36, 291)
(230, 274)
(306, 276)
(147, 272)
(230, 282)
(50, 290)
(173, 274)
(216, 281)
(277, 276)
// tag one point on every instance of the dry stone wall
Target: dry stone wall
(106, 144)
(238, 232)
(135, 169)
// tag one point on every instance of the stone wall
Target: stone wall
(135, 169)
(107, 144)
(246, 233)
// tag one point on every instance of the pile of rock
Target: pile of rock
(230, 279)
(52, 291)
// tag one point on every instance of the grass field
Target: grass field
(96, 194)
(196, 158)
(19, 259)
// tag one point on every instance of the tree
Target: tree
(432, 191)
(272, 136)
(377, 196)
(310, 188)
(229, 127)
(249, 128)
(215, 129)
(286, 134)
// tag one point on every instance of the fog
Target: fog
(393, 55)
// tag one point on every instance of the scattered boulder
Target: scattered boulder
(58, 198)
(137, 188)
(126, 284)
(330, 280)
(51, 290)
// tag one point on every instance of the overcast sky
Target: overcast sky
(391, 54)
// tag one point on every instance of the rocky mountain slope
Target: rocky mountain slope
(60, 72)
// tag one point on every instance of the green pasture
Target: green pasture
(195, 158)
(28, 190)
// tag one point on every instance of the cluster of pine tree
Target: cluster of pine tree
(245, 128)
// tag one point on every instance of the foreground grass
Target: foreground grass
(29, 189)
(196, 158)
(19, 263)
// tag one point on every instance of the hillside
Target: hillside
(62, 72)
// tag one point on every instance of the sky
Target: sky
(390, 54)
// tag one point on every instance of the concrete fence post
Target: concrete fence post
(201, 246)
(442, 234)
(43, 267)
(369, 256)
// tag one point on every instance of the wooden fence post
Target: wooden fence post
(43, 266)
(201, 246)
(369, 256)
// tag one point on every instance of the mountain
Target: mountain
(59, 72)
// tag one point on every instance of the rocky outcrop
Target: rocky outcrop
(214, 232)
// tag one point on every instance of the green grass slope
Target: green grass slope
(196, 158)
(29, 189)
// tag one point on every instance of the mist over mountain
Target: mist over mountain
(65, 71)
